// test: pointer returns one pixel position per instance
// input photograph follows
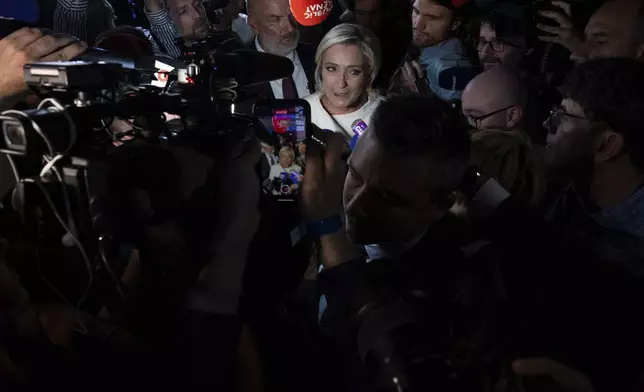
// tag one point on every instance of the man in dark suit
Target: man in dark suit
(277, 33)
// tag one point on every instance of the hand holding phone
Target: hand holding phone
(556, 19)
(284, 130)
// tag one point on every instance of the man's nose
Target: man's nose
(417, 24)
(486, 49)
(290, 24)
(357, 204)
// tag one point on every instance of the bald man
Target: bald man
(495, 99)
(277, 32)
(616, 29)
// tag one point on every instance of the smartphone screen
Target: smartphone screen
(283, 132)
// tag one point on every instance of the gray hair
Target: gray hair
(349, 34)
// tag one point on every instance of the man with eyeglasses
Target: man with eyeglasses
(502, 39)
(495, 99)
(596, 141)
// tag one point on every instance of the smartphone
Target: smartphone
(284, 129)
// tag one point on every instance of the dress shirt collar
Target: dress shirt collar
(291, 55)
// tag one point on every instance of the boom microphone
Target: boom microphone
(247, 67)
(311, 12)
(250, 67)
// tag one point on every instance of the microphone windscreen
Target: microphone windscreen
(311, 12)
(456, 78)
(95, 55)
(250, 67)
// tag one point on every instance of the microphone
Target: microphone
(358, 127)
(311, 12)
(96, 55)
(456, 78)
(250, 67)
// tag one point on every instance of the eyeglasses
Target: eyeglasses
(476, 120)
(497, 45)
(554, 119)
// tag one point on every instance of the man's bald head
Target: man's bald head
(616, 30)
(496, 98)
(274, 25)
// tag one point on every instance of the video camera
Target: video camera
(62, 153)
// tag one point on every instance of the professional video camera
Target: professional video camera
(62, 152)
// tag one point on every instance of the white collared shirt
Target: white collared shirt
(299, 76)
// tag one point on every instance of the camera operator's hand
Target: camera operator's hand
(567, 378)
(28, 44)
(325, 173)
(566, 34)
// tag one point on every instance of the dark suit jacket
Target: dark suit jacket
(306, 54)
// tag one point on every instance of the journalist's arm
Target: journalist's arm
(162, 27)
(70, 17)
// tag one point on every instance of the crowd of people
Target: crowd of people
(480, 160)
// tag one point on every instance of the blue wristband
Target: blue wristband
(325, 226)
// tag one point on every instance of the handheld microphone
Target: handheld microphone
(358, 127)
(311, 12)
(456, 78)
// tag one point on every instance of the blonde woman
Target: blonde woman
(347, 62)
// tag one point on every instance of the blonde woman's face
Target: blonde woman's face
(286, 159)
(344, 77)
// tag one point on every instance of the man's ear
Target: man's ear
(514, 116)
(252, 22)
(608, 146)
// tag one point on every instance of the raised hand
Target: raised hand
(565, 34)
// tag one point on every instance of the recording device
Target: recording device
(544, 5)
(311, 12)
(285, 125)
(62, 152)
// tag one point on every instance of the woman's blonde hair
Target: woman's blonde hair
(287, 150)
(511, 160)
(349, 34)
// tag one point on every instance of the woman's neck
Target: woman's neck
(335, 111)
